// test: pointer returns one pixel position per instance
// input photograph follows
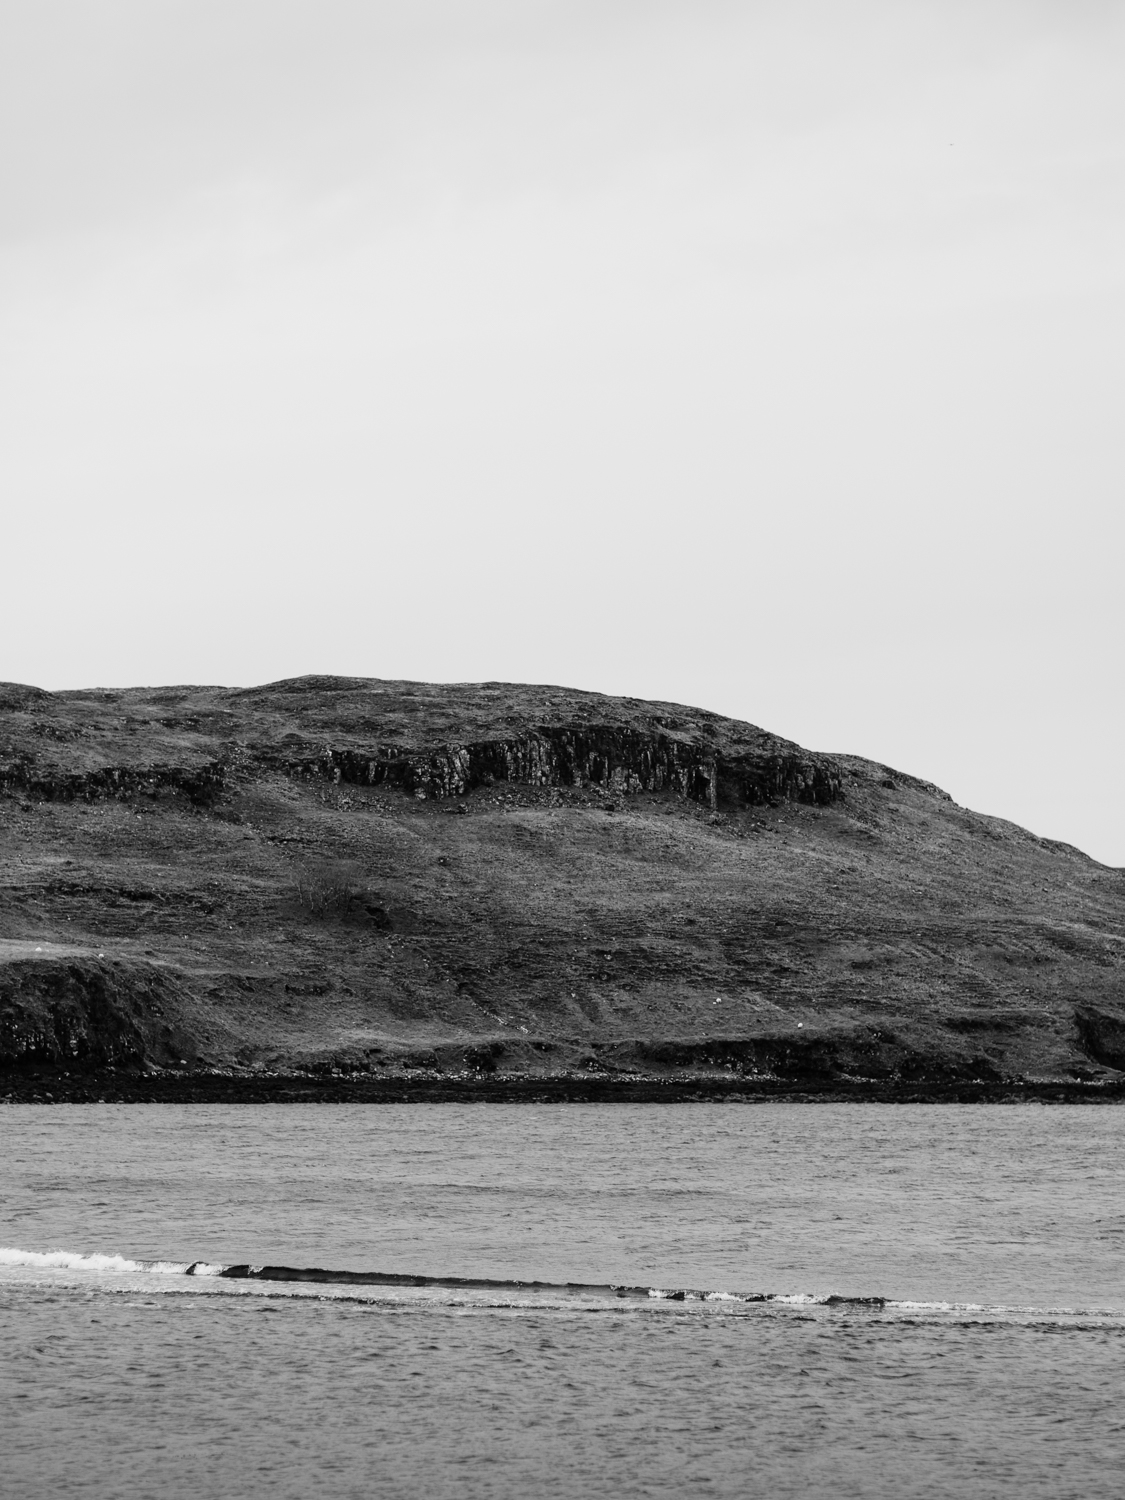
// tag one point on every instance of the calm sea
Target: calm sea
(993, 1365)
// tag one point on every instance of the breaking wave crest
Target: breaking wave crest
(570, 1293)
(69, 1260)
(72, 1260)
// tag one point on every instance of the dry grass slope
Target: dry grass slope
(351, 876)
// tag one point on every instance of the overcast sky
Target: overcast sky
(766, 357)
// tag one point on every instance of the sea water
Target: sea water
(561, 1300)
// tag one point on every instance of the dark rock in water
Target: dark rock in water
(838, 1301)
(265, 883)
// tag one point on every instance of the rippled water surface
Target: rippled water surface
(995, 1365)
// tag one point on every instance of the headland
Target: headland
(357, 889)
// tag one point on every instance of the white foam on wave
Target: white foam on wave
(70, 1260)
(1023, 1311)
(910, 1306)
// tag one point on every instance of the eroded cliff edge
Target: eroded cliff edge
(337, 878)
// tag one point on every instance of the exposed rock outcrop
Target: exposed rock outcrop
(1102, 1035)
(714, 762)
(84, 1014)
(620, 759)
(25, 776)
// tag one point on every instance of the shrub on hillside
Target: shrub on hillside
(328, 886)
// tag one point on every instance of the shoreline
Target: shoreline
(210, 1088)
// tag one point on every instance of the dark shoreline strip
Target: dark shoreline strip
(48, 1087)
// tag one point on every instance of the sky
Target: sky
(766, 357)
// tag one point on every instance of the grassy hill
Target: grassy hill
(392, 879)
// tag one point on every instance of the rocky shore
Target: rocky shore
(221, 1088)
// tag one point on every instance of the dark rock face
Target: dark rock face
(865, 1052)
(202, 786)
(624, 760)
(86, 1015)
(631, 891)
(1102, 1035)
(620, 757)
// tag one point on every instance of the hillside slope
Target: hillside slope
(335, 875)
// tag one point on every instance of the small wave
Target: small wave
(69, 1260)
(448, 1283)
(73, 1260)
(942, 1307)
(560, 1292)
